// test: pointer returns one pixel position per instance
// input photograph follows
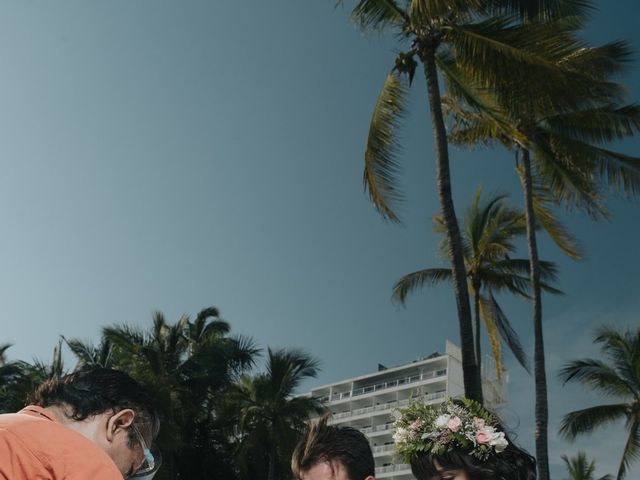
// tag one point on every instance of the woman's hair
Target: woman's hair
(511, 464)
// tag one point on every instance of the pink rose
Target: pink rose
(416, 425)
(482, 437)
(454, 424)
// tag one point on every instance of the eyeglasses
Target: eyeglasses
(148, 467)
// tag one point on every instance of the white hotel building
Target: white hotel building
(366, 402)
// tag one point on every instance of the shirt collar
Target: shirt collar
(38, 411)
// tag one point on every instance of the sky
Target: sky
(162, 155)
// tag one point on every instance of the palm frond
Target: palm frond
(601, 124)
(381, 165)
(508, 334)
(585, 421)
(615, 169)
(416, 280)
(623, 348)
(423, 12)
(568, 182)
(579, 467)
(599, 62)
(542, 10)
(547, 219)
(597, 375)
(488, 315)
(377, 14)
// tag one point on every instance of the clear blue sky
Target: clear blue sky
(175, 155)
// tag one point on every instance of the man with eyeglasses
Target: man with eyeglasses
(93, 424)
(329, 452)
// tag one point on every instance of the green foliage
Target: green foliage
(617, 376)
(580, 468)
(490, 227)
(380, 160)
(268, 419)
(188, 366)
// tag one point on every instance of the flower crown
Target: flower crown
(438, 429)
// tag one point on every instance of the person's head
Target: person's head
(329, 452)
(459, 440)
(108, 407)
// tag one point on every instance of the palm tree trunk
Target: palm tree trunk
(476, 311)
(541, 409)
(471, 372)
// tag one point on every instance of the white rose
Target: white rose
(400, 435)
(442, 420)
(498, 442)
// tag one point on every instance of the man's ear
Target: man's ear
(118, 422)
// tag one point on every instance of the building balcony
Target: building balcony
(392, 470)
(383, 407)
(379, 450)
(396, 382)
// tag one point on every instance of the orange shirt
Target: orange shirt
(33, 446)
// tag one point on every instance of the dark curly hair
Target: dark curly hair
(92, 391)
(511, 464)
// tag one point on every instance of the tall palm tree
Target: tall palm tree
(617, 376)
(560, 152)
(270, 418)
(187, 366)
(490, 228)
(480, 36)
(580, 468)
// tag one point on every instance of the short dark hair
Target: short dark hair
(327, 443)
(92, 391)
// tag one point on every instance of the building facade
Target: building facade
(367, 402)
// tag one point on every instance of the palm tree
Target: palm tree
(618, 376)
(88, 354)
(187, 366)
(489, 230)
(270, 418)
(19, 379)
(13, 382)
(480, 36)
(40, 371)
(560, 153)
(580, 468)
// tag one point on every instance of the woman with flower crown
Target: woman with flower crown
(458, 440)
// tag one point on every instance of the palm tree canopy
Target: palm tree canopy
(270, 417)
(580, 468)
(489, 229)
(188, 366)
(617, 376)
(477, 41)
